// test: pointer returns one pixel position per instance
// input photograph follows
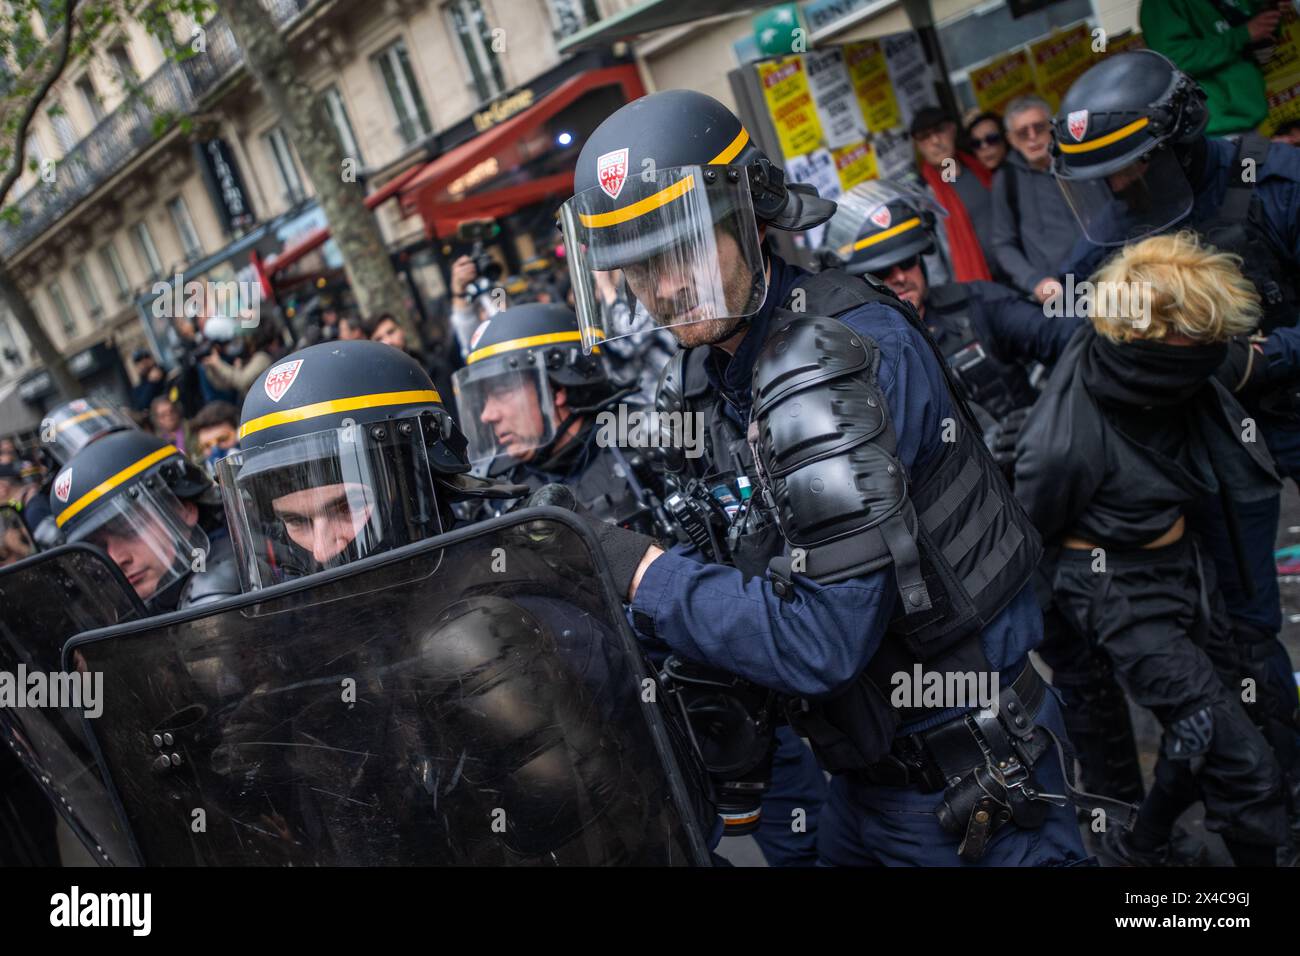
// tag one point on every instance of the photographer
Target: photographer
(235, 366)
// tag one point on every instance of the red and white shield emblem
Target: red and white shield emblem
(63, 486)
(881, 217)
(478, 334)
(78, 405)
(611, 171)
(1077, 124)
(280, 378)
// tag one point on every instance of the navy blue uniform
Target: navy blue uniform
(820, 641)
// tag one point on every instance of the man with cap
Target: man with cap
(154, 513)
(1131, 155)
(855, 559)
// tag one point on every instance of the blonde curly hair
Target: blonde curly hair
(1173, 285)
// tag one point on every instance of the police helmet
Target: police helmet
(345, 450)
(73, 425)
(657, 187)
(518, 358)
(137, 497)
(878, 225)
(1119, 142)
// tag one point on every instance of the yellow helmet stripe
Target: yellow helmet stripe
(317, 409)
(108, 484)
(881, 236)
(1106, 140)
(650, 203)
(547, 338)
(79, 418)
(733, 149)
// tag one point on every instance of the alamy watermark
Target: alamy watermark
(239, 299)
(632, 427)
(81, 691)
(1086, 298)
(919, 688)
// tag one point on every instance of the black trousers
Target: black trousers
(1154, 613)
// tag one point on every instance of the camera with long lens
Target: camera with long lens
(732, 724)
(476, 233)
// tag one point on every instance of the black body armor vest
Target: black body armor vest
(836, 503)
(996, 386)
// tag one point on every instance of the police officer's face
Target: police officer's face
(1124, 183)
(512, 409)
(667, 287)
(142, 547)
(908, 282)
(326, 519)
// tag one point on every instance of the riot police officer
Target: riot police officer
(529, 400)
(863, 550)
(346, 453)
(1131, 156)
(538, 411)
(155, 514)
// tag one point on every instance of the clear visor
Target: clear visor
(1139, 200)
(869, 199)
(682, 242)
(15, 542)
(69, 430)
(307, 504)
(149, 534)
(505, 413)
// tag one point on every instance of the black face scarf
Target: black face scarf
(1148, 374)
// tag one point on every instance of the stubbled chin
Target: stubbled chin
(703, 332)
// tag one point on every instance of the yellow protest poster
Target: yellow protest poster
(869, 73)
(1282, 74)
(855, 163)
(1058, 60)
(789, 100)
(1001, 80)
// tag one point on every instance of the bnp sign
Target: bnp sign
(779, 31)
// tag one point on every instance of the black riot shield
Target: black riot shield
(474, 699)
(47, 599)
(15, 542)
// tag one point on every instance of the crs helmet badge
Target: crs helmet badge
(280, 378)
(1077, 123)
(881, 217)
(611, 171)
(63, 485)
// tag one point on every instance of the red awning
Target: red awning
(422, 193)
(317, 237)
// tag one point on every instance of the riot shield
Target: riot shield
(15, 542)
(473, 699)
(46, 599)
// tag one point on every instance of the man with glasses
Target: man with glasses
(1033, 229)
(961, 184)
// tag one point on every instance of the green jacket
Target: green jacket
(1195, 35)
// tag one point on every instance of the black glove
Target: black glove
(623, 549)
(1000, 439)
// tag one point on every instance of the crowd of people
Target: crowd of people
(917, 458)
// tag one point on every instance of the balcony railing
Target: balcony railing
(175, 89)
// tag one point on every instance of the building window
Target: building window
(89, 96)
(64, 131)
(86, 284)
(147, 251)
(10, 354)
(185, 228)
(122, 65)
(570, 16)
(113, 266)
(339, 114)
(470, 26)
(408, 105)
(277, 144)
(55, 292)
